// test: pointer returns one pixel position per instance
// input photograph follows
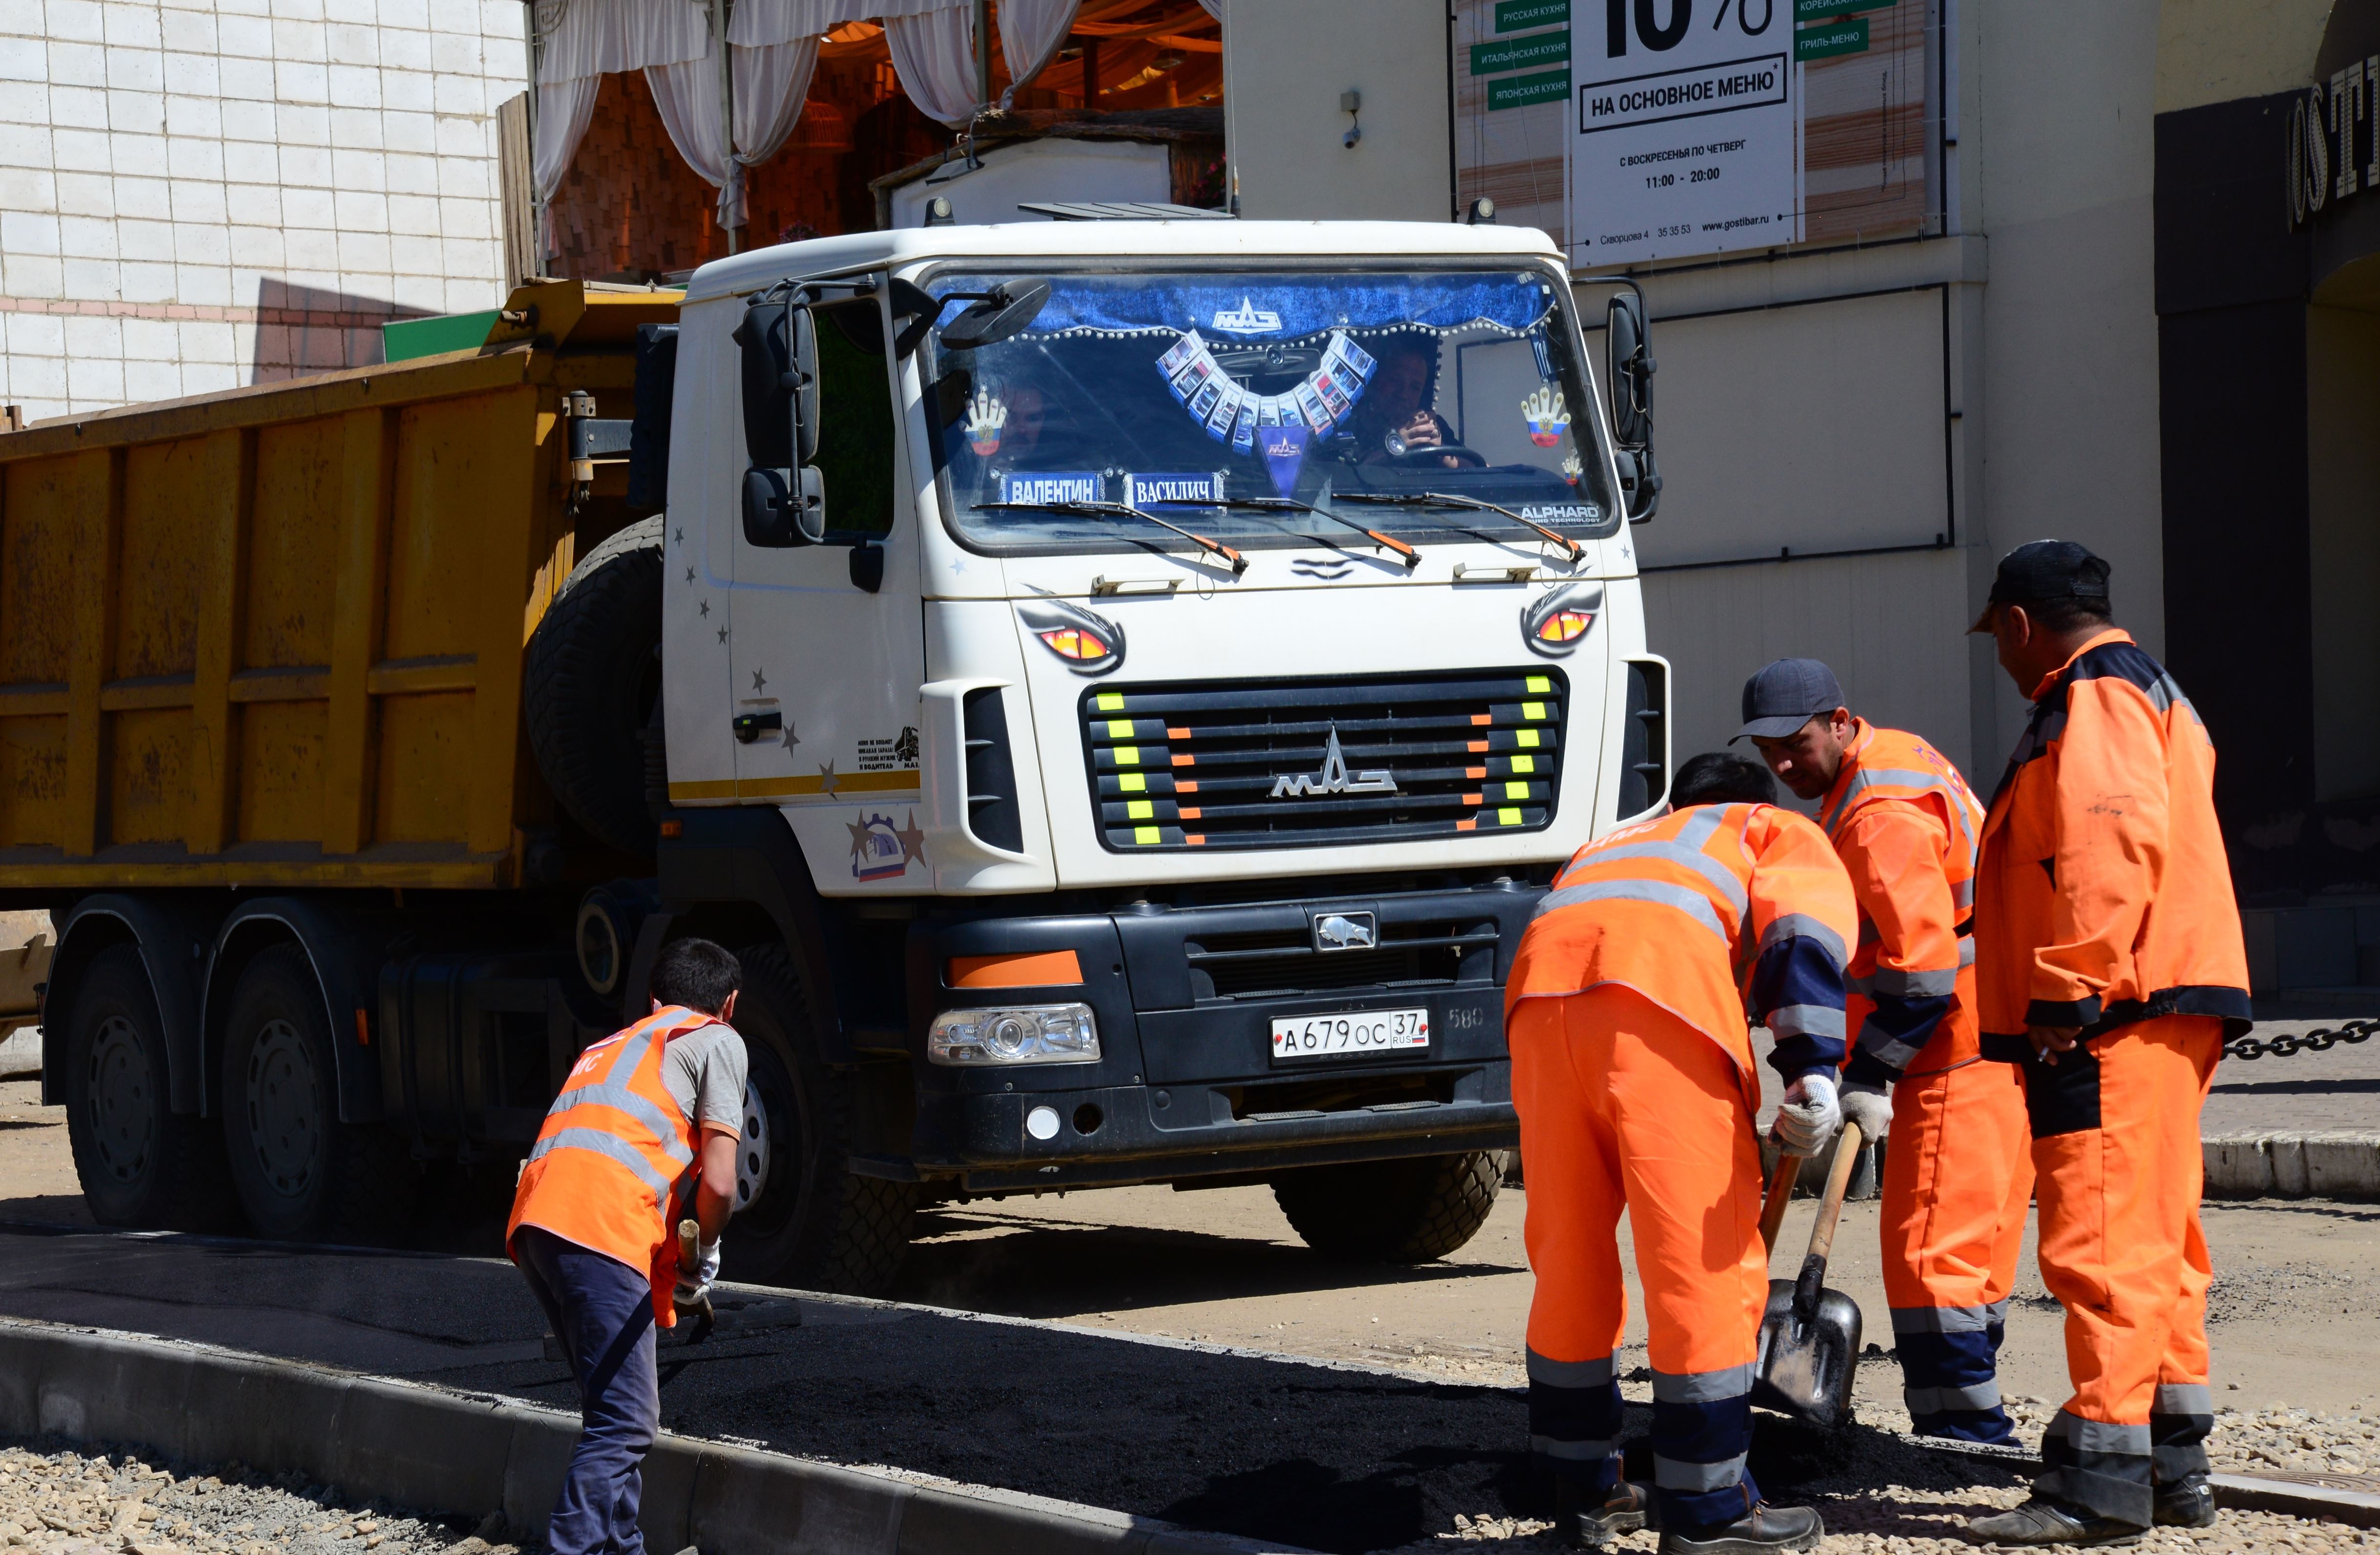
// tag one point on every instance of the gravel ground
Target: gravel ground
(60, 1501)
(1914, 1504)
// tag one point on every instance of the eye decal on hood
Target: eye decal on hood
(1555, 624)
(1091, 645)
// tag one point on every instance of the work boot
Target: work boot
(2188, 1502)
(2043, 1521)
(1590, 1519)
(1761, 1531)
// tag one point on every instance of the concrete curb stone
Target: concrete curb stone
(2340, 1164)
(446, 1451)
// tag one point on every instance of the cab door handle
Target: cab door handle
(750, 727)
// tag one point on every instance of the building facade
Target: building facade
(198, 194)
(2116, 322)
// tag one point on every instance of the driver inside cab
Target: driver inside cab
(1394, 423)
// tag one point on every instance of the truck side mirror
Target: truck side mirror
(779, 341)
(1629, 366)
(781, 512)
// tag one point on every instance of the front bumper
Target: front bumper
(1187, 1086)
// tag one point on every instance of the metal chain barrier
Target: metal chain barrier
(2305, 1042)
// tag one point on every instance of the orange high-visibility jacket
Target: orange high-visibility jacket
(1906, 826)
(2105, 895)
(613, 1154)
(1709, 912)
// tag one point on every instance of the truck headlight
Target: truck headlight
(1028, 1034)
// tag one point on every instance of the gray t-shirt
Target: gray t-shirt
(705, 1072)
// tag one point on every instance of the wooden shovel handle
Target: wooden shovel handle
(1839, 1181)
(1780, 1189)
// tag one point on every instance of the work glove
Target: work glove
(1870, 1106)
(694, 1284)
(1809, 1116)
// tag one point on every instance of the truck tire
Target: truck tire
(302, 1175)
(1391, 1212)
(592, 681)
(140, 1163)
(811, 1223)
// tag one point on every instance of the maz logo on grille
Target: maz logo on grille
(1333, 778)
(1323, 762)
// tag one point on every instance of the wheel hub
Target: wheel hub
(284, 1121)
(752, 1150)
(123, 1117)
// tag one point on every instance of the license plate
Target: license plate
(1350, 1034)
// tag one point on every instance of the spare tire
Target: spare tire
(593, 686)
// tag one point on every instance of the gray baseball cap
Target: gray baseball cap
(1785, 696)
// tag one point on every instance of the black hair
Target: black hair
(2070, 613)
(1722, 777)
(697, 974)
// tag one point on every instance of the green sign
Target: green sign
(1514, 15)
(1519, 54)
(1826, 43)
(1520, 92)
(1813, 10)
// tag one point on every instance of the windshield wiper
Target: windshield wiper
(1443, 499)
(1116, 509)
(1412, 557)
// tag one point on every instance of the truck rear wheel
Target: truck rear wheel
(301, 1173)
(140, 1163)
(810, 1222)
(1391, 1212)
(591, 682)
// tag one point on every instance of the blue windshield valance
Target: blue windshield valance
(1264, 308)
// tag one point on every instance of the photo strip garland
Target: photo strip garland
(1234, 416)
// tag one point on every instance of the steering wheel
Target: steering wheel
(1428, 458)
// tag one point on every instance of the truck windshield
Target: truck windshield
(1170, 392)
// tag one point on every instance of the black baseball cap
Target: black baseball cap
(1785, 696)
(2041, 571)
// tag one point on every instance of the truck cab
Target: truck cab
(1162, 663)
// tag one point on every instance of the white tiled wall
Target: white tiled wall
(196, 194)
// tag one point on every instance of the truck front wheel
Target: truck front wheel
(302, 1175)
(808, 1222)
(1391, 1212)
(140, 1163)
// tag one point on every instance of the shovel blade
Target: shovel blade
(1807, 1361)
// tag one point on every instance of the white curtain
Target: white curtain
(593, 39)
(1032, 33)
(1213, 8)
(934, 55)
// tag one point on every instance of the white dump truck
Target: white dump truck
(1122, 685)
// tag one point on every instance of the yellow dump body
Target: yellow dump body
(274, 637)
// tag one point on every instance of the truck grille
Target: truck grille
(1313, 763)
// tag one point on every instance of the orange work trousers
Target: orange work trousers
(1624, 1106)
(1958, 1181)
(2115, 1141)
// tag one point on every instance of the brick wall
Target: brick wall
(196, 194)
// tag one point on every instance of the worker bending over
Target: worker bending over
(1958, 1178)
(1632, 1074)
(646, 1123)
(2110, 968)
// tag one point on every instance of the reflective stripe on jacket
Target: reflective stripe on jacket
(2105, 893)
(1906, 826)
(1709, 912)
(614, 1153)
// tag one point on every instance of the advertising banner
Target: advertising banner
(1648, 129)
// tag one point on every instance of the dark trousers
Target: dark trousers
(602, 1312)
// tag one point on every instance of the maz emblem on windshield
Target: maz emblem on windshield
(1334, 778)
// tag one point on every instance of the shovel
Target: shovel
(689, 1258)
(1810, 1337)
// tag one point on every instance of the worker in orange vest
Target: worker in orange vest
(644, 1133)
(2110, 969)
(1958, 1176)
(1632, 1074)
